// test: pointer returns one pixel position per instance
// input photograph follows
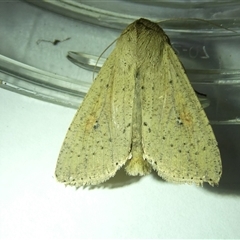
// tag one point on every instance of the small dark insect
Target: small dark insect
(55, 42)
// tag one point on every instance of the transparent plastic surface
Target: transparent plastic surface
(33, 82)
(119, 13)
(32, 64)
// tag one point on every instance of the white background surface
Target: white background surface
(34, 206)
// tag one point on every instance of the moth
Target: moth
(141, 113)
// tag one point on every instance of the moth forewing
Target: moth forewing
(98, 141)
(187, 149)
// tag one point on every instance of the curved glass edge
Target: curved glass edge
(107, 15)
(91, 63)
(193, 3)
(30, 81)
(36, 83)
